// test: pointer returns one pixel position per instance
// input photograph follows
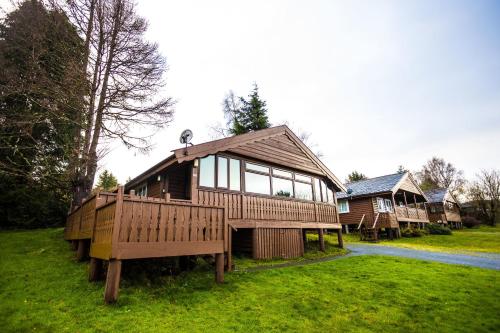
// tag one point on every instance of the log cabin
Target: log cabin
(443, 208)
(259, 193)
(384, 203)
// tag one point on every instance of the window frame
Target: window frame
(339, 203)
(243, 168)
(388, 208)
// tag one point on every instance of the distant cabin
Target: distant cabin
(383, 203)
(443, 208)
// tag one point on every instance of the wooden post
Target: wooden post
(194, 183)
(255, 249)
(74, 244)
(229, 250)
(339, 237)
(81, 251)
(347, 228)
(95, 269)
(219, 267)
(112, 281)
(321, 240)
(416, 208)
(406, 205)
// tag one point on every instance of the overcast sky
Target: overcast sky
(377, 83)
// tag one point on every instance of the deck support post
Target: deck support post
(74, 244)
(347, 228)
(112, 281)
(229, 267)
(95, 269)
(339, 237)
(81, 250)
(321, 240)
(219, 267)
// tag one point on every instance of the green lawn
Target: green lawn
(43, 289)
(482, 239)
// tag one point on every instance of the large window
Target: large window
(303, 191)
(282, 183)
(257, 183)
(234, 175)
(207, 171)
(222, 174)
(343, 206)
(217, 171)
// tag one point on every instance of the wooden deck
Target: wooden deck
(409, 214)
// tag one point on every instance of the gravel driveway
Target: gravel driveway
(483, 260)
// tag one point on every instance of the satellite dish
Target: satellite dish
(186, 136)
(349, 191)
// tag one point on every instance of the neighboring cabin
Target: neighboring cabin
(386, 202)
(443, 208)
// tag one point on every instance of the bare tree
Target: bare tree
(437, 173)
(485, 192)
(125, 74)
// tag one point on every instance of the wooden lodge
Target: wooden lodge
(383, 203)
(258, 193)
(443, 208)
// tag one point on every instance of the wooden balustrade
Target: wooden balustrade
(80, 222)
(411, 214)
(251, 207)
(139, 227)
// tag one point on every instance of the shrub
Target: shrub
(470, 222)
(412, 232)
(438, 229)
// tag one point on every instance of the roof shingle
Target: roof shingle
(373, 185)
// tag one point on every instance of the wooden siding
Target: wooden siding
(407, 185)
(179, 182)
(277, 243)
(279, 150)
(357, 208)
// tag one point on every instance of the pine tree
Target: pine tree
(107, 181)
(355, 176)
(245, 115)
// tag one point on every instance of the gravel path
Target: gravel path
(483, 260)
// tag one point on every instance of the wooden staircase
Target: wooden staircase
(367, 230)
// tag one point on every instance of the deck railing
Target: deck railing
(80, 220)
(138, 227)
(409, 213)
(252, 207)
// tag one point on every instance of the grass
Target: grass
(483, 239)
(43, 289)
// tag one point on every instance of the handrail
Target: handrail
(361, 222)
(376, 220)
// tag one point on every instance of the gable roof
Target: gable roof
(436, 195)
(382, 184)
(278, 145)
(440, 195)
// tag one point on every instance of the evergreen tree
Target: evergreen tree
(401, 169)
(42, 84)
(107, 181)
(245, 115)
(355, 176)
